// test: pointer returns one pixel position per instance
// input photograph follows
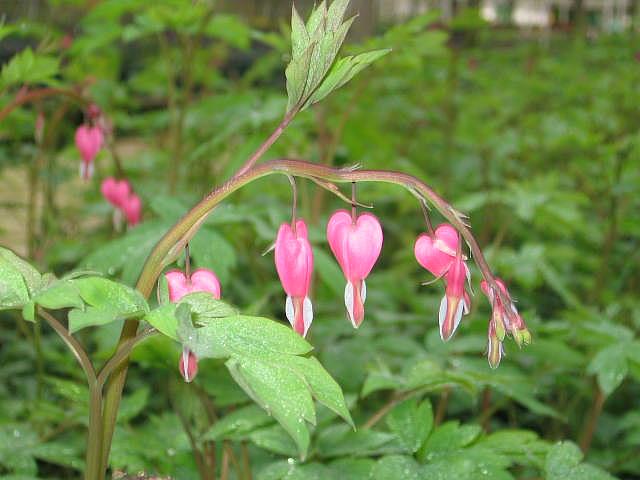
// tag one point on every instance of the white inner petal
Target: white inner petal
(458, 317)
(442, 314)
(185, 363)
(288, 310)
(363, 292)
(348, 302)
(307, 314)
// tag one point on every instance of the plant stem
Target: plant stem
(386, 408)
(94, 470)
(251, 161)
(72, 343)
(592, 420)
(441, 409)
(39, 94)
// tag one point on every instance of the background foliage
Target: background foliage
(536, 139)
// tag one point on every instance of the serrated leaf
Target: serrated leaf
(280, 393)
(324, 388)
(299, 35)
(396, 467)
(18, 280)
(563, 462)
(28, 67)
(335, 14)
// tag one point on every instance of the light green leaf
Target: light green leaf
(100, 292)
(205, 307)
(563, 462)
(164, 320)
(30, 68)
(59, 294)
(18, 280)
(299, 35)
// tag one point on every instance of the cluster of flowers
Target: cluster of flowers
(356, 242)
(90, 139)
(120, 194)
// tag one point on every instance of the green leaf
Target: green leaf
(343, 71)
(324, 388)
(337, 441)
(100, 292)
(27, 67)
(274, 439)
(411, 423)
(205, 307)
(59, 294)
(396, 467)
(563, 462)
(238, 424)
(281, 393)
(610, 366)
(299, 35)
(164, 320)
(450, 436)
(242, 335)
(18, 280)
(107, 301)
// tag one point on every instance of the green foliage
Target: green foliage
(536, 139)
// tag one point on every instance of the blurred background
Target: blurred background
(524, 114)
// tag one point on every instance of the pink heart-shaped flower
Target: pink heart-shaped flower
(132, 209)
(357, 245)
(436, 253)
(116, 192)
(89, 142)
(201, 280)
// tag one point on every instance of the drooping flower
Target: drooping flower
(495, 348)
(116, 192)
(200, 280)
(456, 300)
(188, 365)
(356, 244)
(179, 285)
(436, 253)
(441, 254)
(505, 318)
(132, 209)
(89, 142)
(294, 263)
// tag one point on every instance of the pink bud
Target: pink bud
(188, 365)
(356, 245)
(132, 209)
(505, 319)
(437, 253)
(294, 263)
(89, 142)
(201, 280)
(116, 192)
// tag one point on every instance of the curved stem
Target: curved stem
(72, 343)
(39, 94)
(123, 351)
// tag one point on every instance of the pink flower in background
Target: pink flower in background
(132, 209)
(437, 252)
(116, 192)
(356, 244)
(201, 280)
(179, 285)
(89, 142)
(294, 263)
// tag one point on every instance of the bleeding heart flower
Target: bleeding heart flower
(437, 252)
(456, 301)
(132, 209)
(201, 280)
(179, 285)
(116, 192)
(188, 365)
(89, 142)
(356, 245)
(294, 263)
